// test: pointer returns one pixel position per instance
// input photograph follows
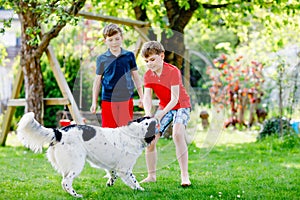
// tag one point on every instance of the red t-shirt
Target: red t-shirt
(161, 86)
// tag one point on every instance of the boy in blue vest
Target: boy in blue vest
(116, 72)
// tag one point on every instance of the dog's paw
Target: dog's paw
(140, 188)
(77, 195)
(109, 183)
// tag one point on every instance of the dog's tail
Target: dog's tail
(33, 135)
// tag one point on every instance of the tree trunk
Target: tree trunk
(241, 109)
(253, 107)
(31, 53)
(174, 48)
(34, 85)
(280, 83)
(178, 18)
(141, 14)
(30, 63)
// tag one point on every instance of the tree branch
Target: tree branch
(214, 6)
(179, 16)
(46, 37)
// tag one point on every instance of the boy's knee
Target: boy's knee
(177, 136)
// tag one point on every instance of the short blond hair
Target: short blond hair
(111, 29)
(152, 48)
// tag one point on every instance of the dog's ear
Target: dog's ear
(150, 134)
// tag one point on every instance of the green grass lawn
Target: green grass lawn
(234, 167)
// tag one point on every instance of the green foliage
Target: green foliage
(241, 29)
(288, 142)
(49, 14)
(6, 24)
(223, 28)
(272, 129)
(210, 43)
(268, 33)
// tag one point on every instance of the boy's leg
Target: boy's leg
(182, 117)
(123, 112)
(108, 119)
(151, 153)
(181, 152)
(151, 160)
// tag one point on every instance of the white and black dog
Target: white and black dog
(113, 149)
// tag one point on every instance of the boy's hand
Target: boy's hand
(157, 124)
(140, 104)
(93, 109)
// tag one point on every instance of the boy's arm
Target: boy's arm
(96, 90)
(147, 101)
(172, 102)
(138, 84)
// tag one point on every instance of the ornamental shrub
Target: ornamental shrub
(271, 128)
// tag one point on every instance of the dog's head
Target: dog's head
(148, 126)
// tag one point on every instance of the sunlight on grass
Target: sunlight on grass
(216, 134)
(291, 165)
(12, 140)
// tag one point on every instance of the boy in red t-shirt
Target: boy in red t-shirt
(166, 82)
(117, 73)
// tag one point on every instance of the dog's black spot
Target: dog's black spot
(58, 134)
(150, 135)
(104, 143)
(67, 128)
(88, 132)
(138, 120)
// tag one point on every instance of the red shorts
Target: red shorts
(116, 114)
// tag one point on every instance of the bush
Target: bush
(271, 129)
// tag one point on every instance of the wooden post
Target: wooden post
(10, 110)
(138, 45)
(63, 85)
(116, 20)
(143, 33)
